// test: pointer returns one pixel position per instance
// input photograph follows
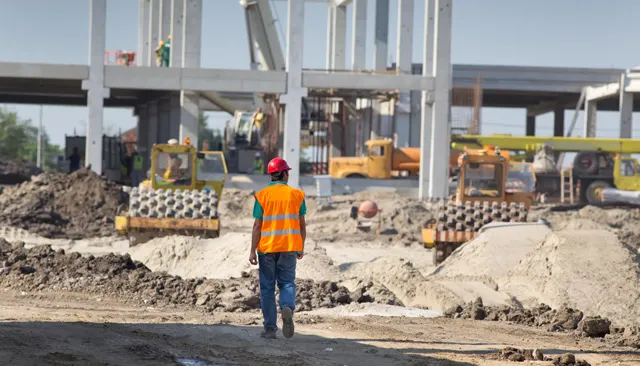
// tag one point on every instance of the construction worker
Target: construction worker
(277, 242)
(74, 160)
(159, 53)
(258, 164)
(166, 52)
(136, 169)
(173, 170)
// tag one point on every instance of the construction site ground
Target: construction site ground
(363, 299)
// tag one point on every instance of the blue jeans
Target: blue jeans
(280, 267)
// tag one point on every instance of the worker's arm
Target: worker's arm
(255, 233)
(303, 227)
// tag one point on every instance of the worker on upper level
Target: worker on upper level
(258, 164)
(160, 53)
(166, 52)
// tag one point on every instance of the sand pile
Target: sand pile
(16, 171)
(41, 268)
(236, 203)
(224, 257)
(56, 205)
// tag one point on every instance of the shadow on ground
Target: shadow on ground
(67, 344)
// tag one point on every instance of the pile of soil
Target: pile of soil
(16, 171)
(56, 205)
(41, 268)
(522, 355)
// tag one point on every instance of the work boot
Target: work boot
(287, 322)
(268, 334)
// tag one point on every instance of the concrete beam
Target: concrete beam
(44, 71)
(603, 91)
(342, 3)
(347, 80)
(381, 35)
(441, 126)
(359, 35)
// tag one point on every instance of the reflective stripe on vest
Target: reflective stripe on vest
(137, 162)
(280, 231)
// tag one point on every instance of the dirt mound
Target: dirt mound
(236, 203)
(56, 205)
(16, 171)
(41, 268)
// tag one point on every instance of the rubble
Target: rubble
(41, 268)
(520, 355)
(57, 205)
(16, 171)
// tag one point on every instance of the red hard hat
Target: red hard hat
(277, 165)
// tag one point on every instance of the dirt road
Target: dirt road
(74, 329)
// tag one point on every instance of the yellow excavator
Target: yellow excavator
(489, 189)
(180, 197)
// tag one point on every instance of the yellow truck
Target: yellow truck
(483, 195)
(180, 197)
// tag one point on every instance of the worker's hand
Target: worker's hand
(253, 258)
(300, 255)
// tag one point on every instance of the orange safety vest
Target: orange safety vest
(280, 231)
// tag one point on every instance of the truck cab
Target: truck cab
(377, 163)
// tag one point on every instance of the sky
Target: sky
(564, 33)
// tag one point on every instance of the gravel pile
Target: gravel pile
(56, 205)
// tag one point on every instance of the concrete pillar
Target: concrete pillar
(295, 91)
(426, 103)
(381, 32)
(531, 126)
(558, 121)
(441, 126)
(339, 38)
(175, 115)
(415, 118)
(192, 43)
(96, 91)
(153, 111)
(165, 19)
(154, 32)
(331, 14)
(164, 120)
(590, 114)
(626, 110)
(177, 32)
(404, 65)
(359, 35)
(143, 33)
(142, 131)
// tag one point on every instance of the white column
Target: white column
(164, 120)
(153, 122)
(626, 110)
(331, 14)
(404, 55)
(359, 35)
(339, 38)
(142, 132)
(441, 124)
(165, 19)
(426, 103)
(295, 91)
(192, 41)
(590, 120)
(381, 35)
(177, 31)
(154, 31)
(96, 91)
(143, 33)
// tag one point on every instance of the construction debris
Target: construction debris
(56, 205)
(16, 171)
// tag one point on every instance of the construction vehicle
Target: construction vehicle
(482, 196)
(182, 195)
(242, 139)
(593, 168)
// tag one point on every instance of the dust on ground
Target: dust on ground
(57, 205)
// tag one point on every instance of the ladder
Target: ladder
(566, 186)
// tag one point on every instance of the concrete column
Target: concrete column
(142, 131)
(381, 32)
(441, 126)
(359, 35)
(164, 120)
(165, 19)
(558, 121)
(590, 114)
(295, 91)
(153, 110)
(96, 91)
(626, 110)
(415, 118)
(175, 115)
(531, 126)
(404, 65)
(143, 33)
(177, 32)
(154, 31)
(192, 42)
(339, 38)
(331, 14)
(426, 103)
